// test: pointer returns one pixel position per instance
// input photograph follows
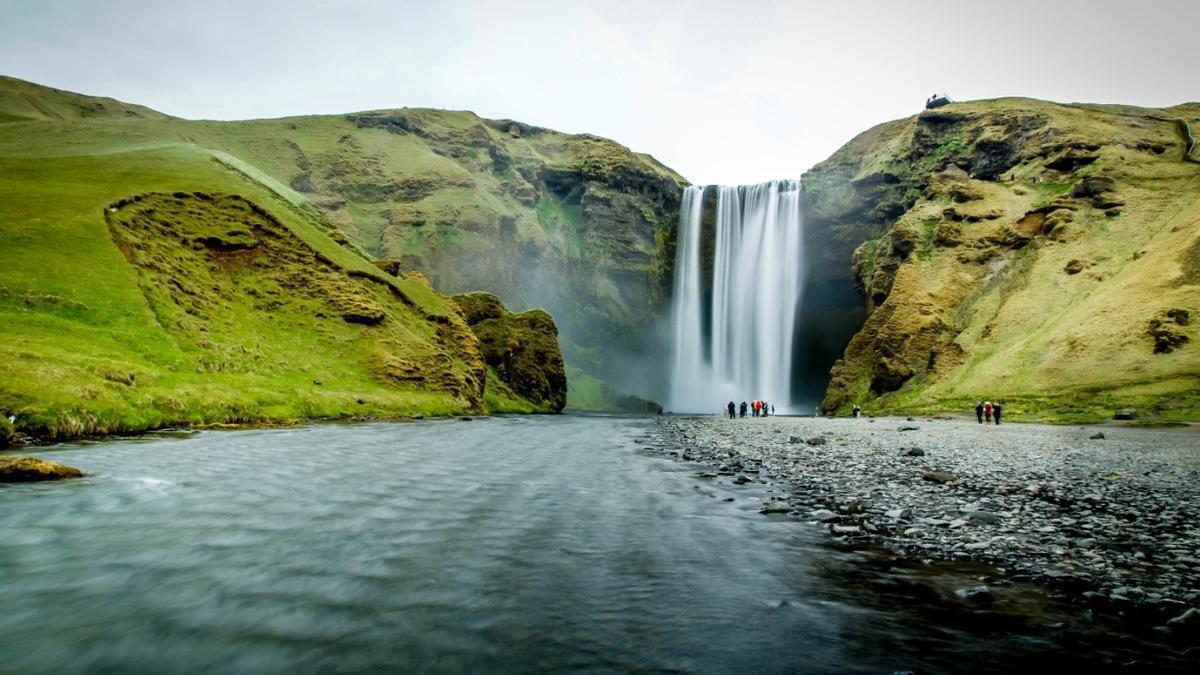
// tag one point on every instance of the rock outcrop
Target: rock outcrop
(522, 349)
(1015, 248)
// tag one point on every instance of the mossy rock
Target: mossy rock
(32, 470)
(523, 349)
(7, 433)
(480, 306)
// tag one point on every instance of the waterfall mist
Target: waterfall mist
(734, 339)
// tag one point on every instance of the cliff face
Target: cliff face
(1046, 254)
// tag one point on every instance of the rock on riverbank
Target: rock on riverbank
(1116, 520)
(14, 469)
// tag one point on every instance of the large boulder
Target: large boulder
(14, 469)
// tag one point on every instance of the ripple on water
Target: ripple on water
(511, 544)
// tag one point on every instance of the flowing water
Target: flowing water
(498, 545)
(735, 343)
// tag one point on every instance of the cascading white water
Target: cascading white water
(741, 347)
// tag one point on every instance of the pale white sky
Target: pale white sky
(723, 92)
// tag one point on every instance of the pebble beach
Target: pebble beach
(1109, 513)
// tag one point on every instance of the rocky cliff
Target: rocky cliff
(1041, 253)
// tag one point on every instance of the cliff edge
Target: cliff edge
(1018, 249)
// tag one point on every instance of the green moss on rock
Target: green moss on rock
(522, 349)
(480, 306)
(32, 470)
(7, 433)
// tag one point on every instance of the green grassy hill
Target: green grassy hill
(574, 224)
(157, 271)
(1044, 254)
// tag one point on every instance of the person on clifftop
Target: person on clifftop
(979, 411)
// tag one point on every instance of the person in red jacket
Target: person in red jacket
(987, 411)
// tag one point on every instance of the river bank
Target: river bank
(1106, 515)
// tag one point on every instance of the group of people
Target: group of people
(988, 412)
(756, 407)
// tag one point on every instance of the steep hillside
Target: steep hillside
(1044, 254)
(150, 278)
(574, 224)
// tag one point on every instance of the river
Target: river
(509, 544)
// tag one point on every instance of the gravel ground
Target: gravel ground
(1114, 519)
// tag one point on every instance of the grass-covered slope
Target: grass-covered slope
(150, 276)
(574, 224)
(1044, 254)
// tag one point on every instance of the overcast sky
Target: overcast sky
(723, 92)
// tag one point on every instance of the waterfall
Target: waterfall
(733, 342)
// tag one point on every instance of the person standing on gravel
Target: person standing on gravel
(732, 410)
(743, 409)
(987, 411)
(979, 411)
(996, 411)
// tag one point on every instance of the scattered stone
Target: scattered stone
(816, 440)
(913, 452)
(742, 479)
(1189, 618)
(844, 529)
(1035, 502)
(14, 469)
(979, 594)
(824, 516)
(908, 427)
(984, 517)
(1098, 436)
(852, 507)
(776, 505)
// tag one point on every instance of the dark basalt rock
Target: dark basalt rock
(939, 477)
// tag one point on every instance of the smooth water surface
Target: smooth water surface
(507, 544)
